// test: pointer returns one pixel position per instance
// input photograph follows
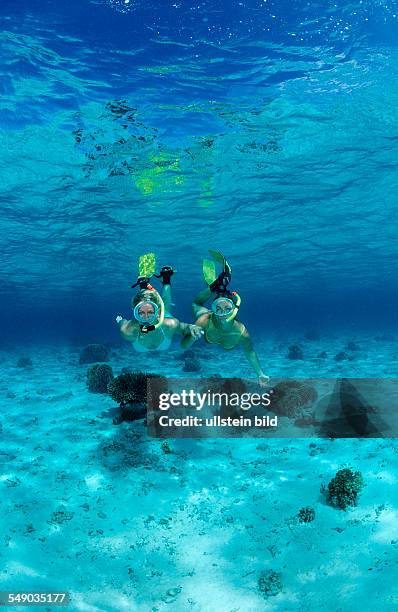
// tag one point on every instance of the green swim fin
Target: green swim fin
(219, 258)
(210, 274)
(209, 271)
(147, 265)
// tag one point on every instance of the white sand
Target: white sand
(137, 529)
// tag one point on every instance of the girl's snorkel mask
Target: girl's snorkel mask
(226, 306)
(148, 314)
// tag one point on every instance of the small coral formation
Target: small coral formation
(306, 514)
(165, 446)
(24, 362)
(171, 595)
(192, 365)
(60, 516)
(98, 378)
(270, 583)
(344, 488)
(129, 387)
(295, 352)
(93, 353)
(290, 396)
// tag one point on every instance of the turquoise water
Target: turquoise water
(266, 130)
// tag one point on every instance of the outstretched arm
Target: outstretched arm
(252, 357)
(166, 297)
(165, 274)
(128, 329)
(190, 333)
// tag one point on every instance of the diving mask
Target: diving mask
(146, 312)
(223, 307)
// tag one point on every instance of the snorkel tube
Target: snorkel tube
(237, 301)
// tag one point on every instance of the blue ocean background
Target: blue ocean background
(265, 129)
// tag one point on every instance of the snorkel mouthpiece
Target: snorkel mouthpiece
(146, 328)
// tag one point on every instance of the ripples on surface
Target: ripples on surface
(266, 131)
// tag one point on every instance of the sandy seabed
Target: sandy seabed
(101, 511)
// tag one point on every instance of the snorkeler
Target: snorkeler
(153, 327)
(220, 324)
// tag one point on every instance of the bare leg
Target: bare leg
(198, 305)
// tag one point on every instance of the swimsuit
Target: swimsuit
(212, 326)
(163, 346)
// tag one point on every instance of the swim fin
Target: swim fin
(216, 282)
(209, 271)
(219, 258)
(147, 265)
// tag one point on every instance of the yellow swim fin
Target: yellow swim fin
(147, 265)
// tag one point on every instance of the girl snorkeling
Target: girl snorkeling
(153, 326)
(219, 324)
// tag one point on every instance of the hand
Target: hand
(263, 380)
(119, 319)
(196, 332)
